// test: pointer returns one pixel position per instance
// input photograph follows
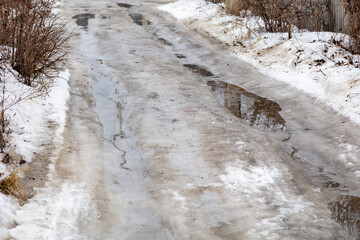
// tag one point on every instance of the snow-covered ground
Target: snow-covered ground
(34, 124)
(310, 61)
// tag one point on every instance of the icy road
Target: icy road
(170, 136)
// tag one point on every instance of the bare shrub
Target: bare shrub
(272, 12)
(33, 43)
(36, 38)
(353, 25)
(281, 15)
(3, 121)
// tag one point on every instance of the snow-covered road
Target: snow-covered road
(151, 151)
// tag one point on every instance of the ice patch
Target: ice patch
(179, 200)
(349, 155)
(59, 215)
(254, 180)
(262, 186)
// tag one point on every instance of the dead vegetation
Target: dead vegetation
(11, 186)
(353, 24)
(282, 15)
(35, 38)
(314, 15)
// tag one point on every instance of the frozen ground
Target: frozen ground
(152, 148)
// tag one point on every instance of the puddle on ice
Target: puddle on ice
(139, 19)
(346, 211)
(82, 20)
(125, 5)
(256, 110)
(200, 70)
(164, 41)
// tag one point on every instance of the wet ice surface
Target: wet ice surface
(128, 214)
(190, 172)
(256, 110)
(83, 19)
(106, 102)
(315, 152)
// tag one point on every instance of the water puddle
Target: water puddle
(125, 5)
(256, 110)
(346, 211)
(164, 41)
(139, 19)
(199, 70)
(82, 20)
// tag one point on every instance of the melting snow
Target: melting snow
(310, 61)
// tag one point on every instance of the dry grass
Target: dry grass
(11, 186)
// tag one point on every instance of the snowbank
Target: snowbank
(29, 125)
(7, 215)
(309, 61)
(31, 119)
